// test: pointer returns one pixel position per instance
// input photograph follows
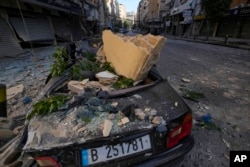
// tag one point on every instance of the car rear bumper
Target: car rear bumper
(172, 156)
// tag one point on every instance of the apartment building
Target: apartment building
(141, 13)
(187, 18)
(122, 12)
(148, 14)
(26, 23)
(112, 12)
(236, 23)
(131, 18)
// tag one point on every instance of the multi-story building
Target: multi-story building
(30, 22)
(122, 12)
(198, 19)
(112, 12)
(148, 14)
(141, 13)
(164, 14)
(26, 23)
(181, 17)
(187, 18)
(130, 17)
(236, 23)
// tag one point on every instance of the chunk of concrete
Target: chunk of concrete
(140, 115)
(125, 120)
(107, 126)
(100, 55)
(157, 120)
(75, 86)
(132, 56)
(106, 77)
(13, 91)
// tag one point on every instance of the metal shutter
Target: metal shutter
(61, 28)
(38, 28)
(9, 46)
(245, 32)
(76, 30)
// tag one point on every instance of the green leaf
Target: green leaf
(47, 105)
(123, 83)
(59, 65)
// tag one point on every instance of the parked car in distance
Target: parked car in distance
(123, 31)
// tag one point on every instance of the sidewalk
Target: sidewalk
(230, 42)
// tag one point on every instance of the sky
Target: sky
(131, 5)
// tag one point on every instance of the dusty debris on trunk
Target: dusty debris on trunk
(93, 118)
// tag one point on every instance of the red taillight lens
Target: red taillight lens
(47, 162)
(180, 132)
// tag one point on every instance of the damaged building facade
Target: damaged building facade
(187, 18)
(28, 23)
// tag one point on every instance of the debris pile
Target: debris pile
(90, 84)
(93, 118)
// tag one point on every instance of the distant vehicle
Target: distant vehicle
(138, 143)
(123, 31)
(155, 31)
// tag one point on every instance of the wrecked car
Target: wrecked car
(105, 116)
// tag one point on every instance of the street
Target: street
(222, 74)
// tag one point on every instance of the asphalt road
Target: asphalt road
(222, 75)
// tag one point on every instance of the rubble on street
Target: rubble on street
(88, 112)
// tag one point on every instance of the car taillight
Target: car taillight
(180, 132)
(47, 162)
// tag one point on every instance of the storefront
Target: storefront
(236, 23)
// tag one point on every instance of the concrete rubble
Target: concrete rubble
(107, 126)
(13, 91)
(97, 117)
(79, 86)
(75, 86)
(106, 77)
(140, 115)
(86, 116)
(132, 57)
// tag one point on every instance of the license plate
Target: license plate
(109, 152)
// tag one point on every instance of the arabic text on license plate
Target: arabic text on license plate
(109, 152)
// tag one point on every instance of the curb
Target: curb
(246, 47)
